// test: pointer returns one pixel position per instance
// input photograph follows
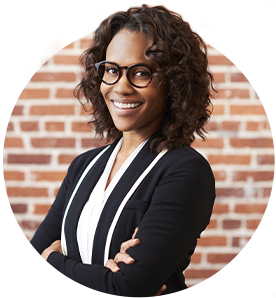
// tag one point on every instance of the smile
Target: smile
(126, 105)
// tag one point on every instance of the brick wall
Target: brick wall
(48, 129)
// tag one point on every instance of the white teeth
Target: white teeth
(126, 105)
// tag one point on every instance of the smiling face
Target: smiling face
(136, 110)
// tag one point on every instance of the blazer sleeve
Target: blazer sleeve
(180, 210)
(50, 229)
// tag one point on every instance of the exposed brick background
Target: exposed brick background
(48, 129)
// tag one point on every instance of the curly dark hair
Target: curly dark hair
(180, 57)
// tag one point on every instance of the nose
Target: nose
(123, 85)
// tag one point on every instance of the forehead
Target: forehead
(127, 47)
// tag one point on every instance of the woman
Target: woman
(147, 80)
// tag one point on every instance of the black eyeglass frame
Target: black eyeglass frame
(127, 68)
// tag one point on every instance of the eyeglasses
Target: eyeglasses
(139, 75)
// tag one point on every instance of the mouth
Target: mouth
(121, 105)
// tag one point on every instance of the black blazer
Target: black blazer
(171, 207)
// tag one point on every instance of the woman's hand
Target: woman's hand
(55, 246)
(123, 257)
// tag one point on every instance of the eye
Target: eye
(111, 70)
(141, 73)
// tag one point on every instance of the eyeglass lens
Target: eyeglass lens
(138, 75)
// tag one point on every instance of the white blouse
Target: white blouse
(92, 210)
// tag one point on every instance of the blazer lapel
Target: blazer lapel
(79, 201)
(133, 172)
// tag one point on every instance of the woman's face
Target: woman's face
(145, 116)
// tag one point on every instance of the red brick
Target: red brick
(208, 143)
(14, 175)
(9, 274)
(257, 125)
(199, 273)
(51, 44)
(42, 209)
(53, 10)
(27, 192)
(11, 110)
(48, 176)
(252, 224)
(196, 258)
(254, 10)
(211, 126)
(66, 59)
(53, 27)
(265, 258)
(53, 142)
(15, 241)
(8, 225)
(266, 94)
(13, 143)
(253, 143)
(219, 175)
(247, 110)
(6, 126)
(265, 60)
(11, 44)
(100, 9)
(265, 159)
(272, 27)
(226, 27)
(263, 192)
(66, 158)
(229, 192)
(29, 159)
(78, 26)
(253, 27)
(218, 109)
(252, 77)
(29, 126)
(6, 28)
(54, 77)
(254, 43)
(231, 125)
(229, 159)
(229, 290)
(65, 93)
(229, 224)
(34, 93)
(232, 93)
(12, 77)
(29, 224)
(216, 258)
(15, 290)
(54, 126)
(11, 10)
(219, 77)
(52, 110)
(25, 60)
(251, 274)
(19, 208)
(240, 241)
(255, 241)
(220, 208)
(81, 127)
(213, 224)
(266, 290)
(255, 176)
(203, 10)
(250, 208)
(28, 27)
(219, 60)
(212, 241)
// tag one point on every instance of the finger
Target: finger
(128, 244)
(123, 258)
(112, 265)
(135, 232)
(163, 288)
